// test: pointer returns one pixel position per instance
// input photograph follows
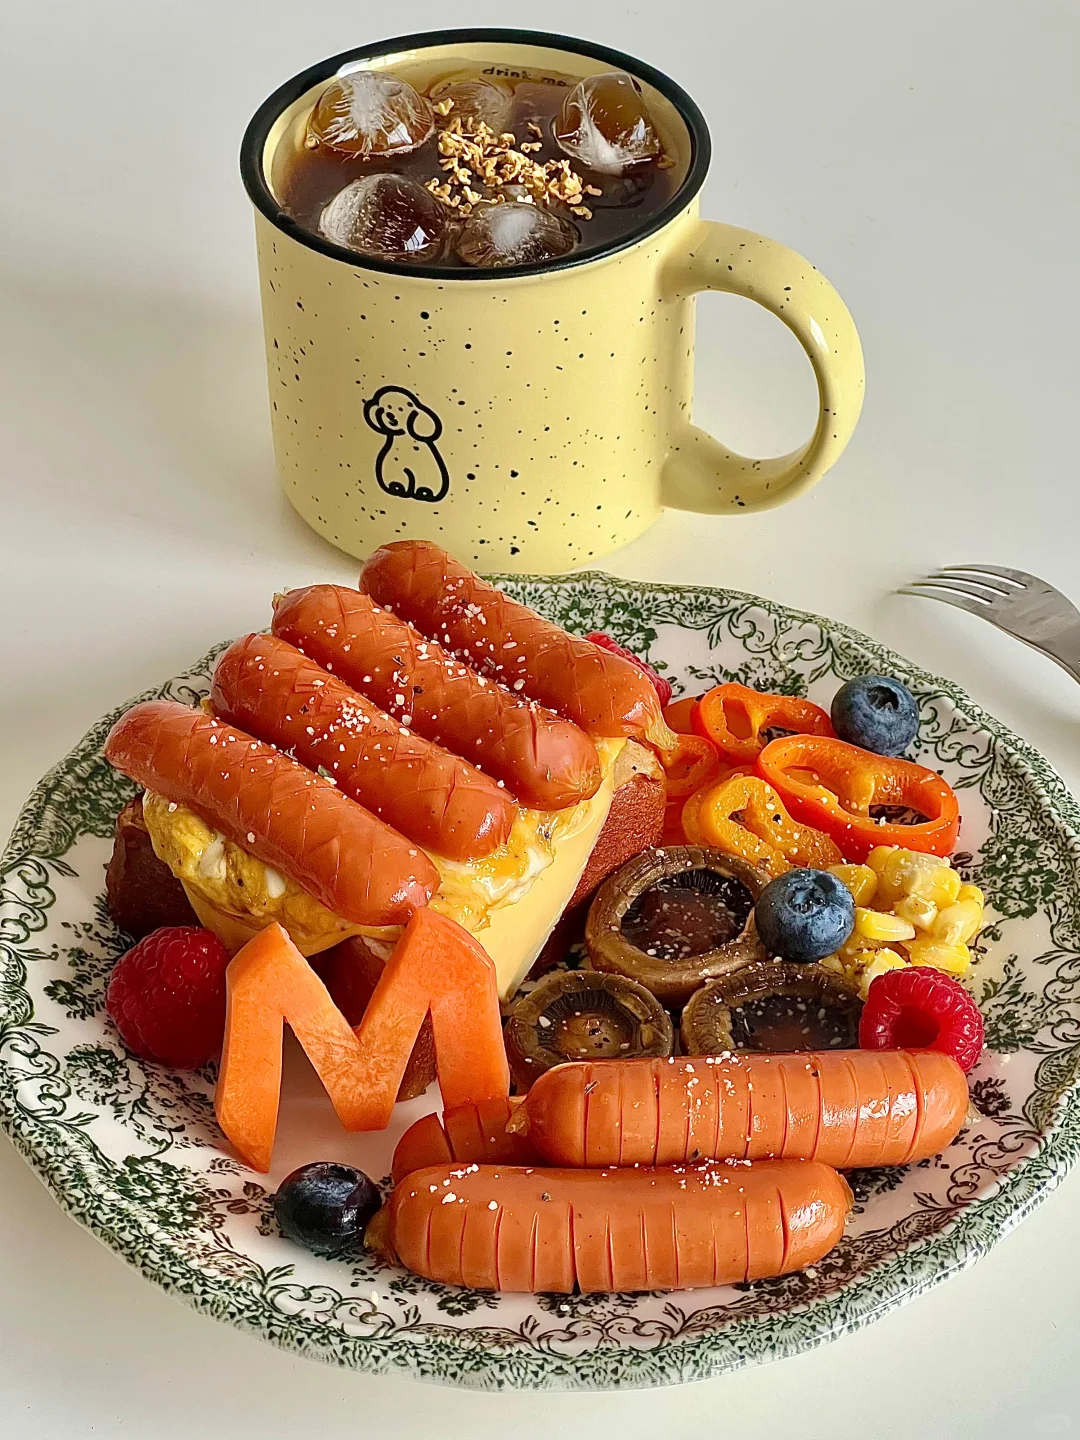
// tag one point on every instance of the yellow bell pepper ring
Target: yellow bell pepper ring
(765, 834)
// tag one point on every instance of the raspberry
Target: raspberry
(167, 996)
(605, 642)
(919, 1008)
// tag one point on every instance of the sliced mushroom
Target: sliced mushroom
(582, 1015)
(675, 917)
(773, 1006)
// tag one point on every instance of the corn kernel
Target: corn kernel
(910, 872)
(893, 872)
(885, 959)
(955, 959)
(846, 966)
(942, 885)
(858, 949)
(958, 924)
(859, 879)
(879, 855)
(880, 860)
(972, 892)
(922, 913)
(874, 925)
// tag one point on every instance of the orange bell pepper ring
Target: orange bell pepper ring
(765, 834)
(692, 763)
(736, 719)
(836, 787)
(678, 716)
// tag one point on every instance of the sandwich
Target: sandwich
(419, 741)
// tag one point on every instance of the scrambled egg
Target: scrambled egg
(237, 895)
(225, 884)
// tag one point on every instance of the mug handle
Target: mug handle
(703, 475)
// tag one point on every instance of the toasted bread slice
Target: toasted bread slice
(634, 822)
(141, 891)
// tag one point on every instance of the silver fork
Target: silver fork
(1020, 604)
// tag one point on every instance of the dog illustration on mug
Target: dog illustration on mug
(409, 464)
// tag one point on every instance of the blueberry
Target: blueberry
(877, 713)
(804, 915)
(326, 1207)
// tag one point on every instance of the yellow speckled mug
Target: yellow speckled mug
(527, 418)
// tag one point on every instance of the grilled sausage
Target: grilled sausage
(846, 1108)
(469, 1134)
(495, 1227)
(545, 761)
(437, 799)
(600, 691)
(276, 809)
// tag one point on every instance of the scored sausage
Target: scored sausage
(275, 809)
(494, 1227)
(437, 799)
(469, 1134)
(545, 761)
(600, 691)
(847, 1108)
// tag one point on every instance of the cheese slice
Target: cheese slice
(511, 900)
(516, 933)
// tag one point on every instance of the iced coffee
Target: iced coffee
(482, 168)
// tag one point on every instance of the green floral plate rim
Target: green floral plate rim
(132, 1153)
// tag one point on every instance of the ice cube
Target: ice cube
(604, 124)
(368, 114)
(513, 234)
(619, 192)
(390, 217)
(475, 101)
(535, 106)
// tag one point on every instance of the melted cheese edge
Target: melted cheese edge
(510, 900)
(516, 933)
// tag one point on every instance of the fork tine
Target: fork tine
(993, 592)
(1003, 572)
(947, 597)
(985, 593)
(995, 586)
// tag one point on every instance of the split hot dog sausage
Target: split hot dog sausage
(437, 799)
(275, 809)
(846, 1108)
(545, 761)
(512, 1228)
(600, 691)
(468, 1134)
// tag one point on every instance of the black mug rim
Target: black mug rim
(254, 144)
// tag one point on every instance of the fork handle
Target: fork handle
(1064, 651)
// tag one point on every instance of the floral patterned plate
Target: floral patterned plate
(132, 1152)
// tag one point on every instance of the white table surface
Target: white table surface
(925, 156)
